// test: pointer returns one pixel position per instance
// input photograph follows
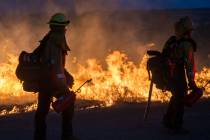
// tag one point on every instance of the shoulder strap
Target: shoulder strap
(191, 41)
(168, 44)
(171, 40)
(41, 46)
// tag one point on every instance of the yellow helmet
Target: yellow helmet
(59, 19)
(183, 26)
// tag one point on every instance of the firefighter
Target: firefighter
(53, 84)
(184, 58)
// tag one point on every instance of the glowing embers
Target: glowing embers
(120, 81)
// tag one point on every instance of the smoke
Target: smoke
(94, 32)
(90, 35)
(95, 35)
(24, 23)
(97, 26)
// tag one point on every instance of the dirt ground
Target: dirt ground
(120, 122)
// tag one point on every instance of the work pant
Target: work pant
(44, 101)
(174, 116)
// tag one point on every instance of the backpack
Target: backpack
(155, 68)
(30, 69)
(161, 65)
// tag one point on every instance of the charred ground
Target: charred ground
(120, 122)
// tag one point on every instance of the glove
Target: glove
(60, 86)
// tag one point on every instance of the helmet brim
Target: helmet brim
(59, 23)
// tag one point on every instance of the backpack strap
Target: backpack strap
(171, 40)
(168, 45)
(194, 44)
(38, 51)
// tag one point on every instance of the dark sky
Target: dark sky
(121, 3)
(164, 4)
(88, 5)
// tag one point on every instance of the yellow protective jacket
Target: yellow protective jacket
(53, 55)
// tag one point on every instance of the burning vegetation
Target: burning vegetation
(121, 81)
(117, 78)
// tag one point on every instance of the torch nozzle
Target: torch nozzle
(88, 81)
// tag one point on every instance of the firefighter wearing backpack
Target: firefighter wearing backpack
(53, 84)
(179, 50)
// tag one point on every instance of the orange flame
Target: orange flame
(122, 80)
